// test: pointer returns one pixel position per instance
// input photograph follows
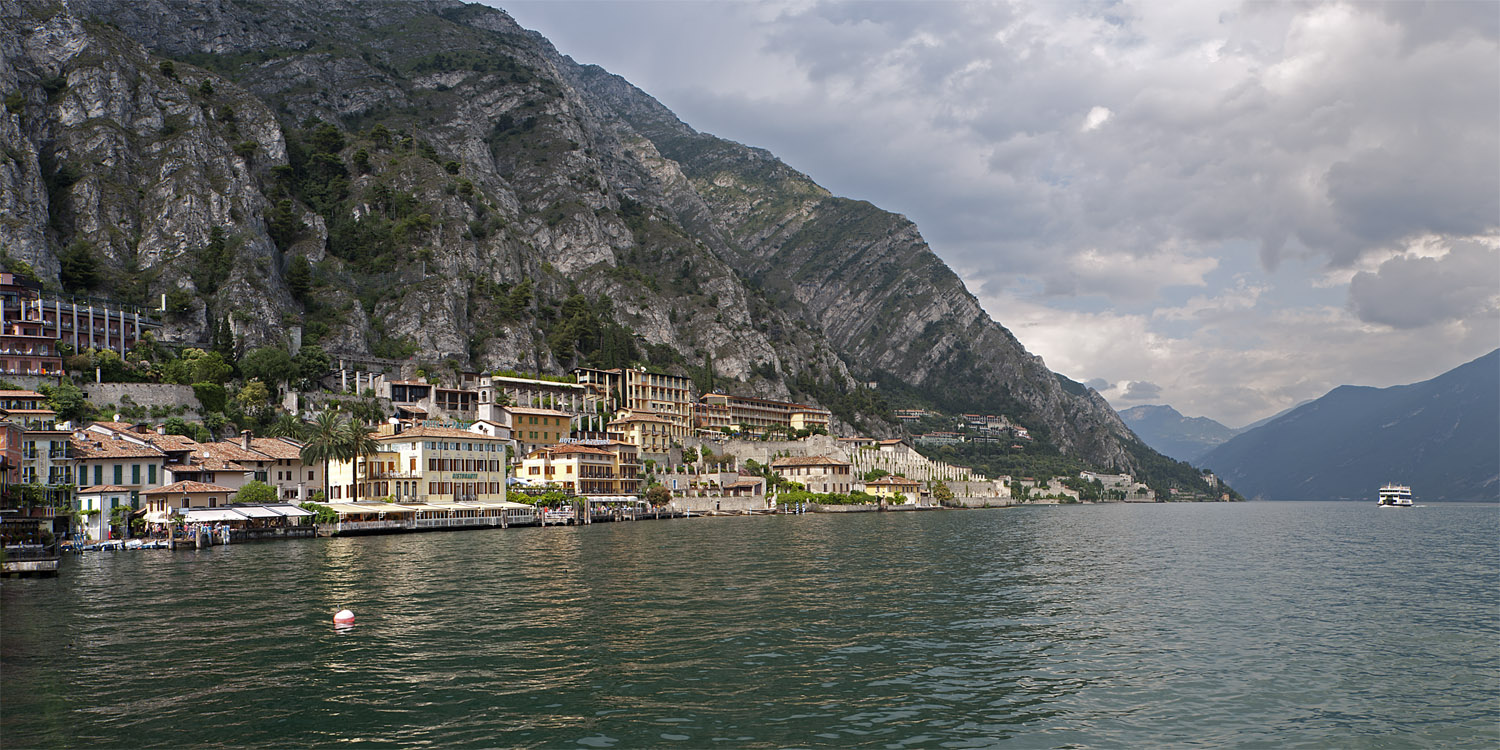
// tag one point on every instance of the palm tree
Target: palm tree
(357, 444)
(289, 426)
(325, 442)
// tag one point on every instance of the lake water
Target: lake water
(1269, 625)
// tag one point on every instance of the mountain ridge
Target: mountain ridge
(1173, 434)
(429, 179)
(1439, 435)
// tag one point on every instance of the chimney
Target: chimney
(245, 439)
(161, 429)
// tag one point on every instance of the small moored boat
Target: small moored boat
(1395, 496)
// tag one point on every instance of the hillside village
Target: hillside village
(209, 426)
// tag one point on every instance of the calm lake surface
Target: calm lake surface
(1250, 625)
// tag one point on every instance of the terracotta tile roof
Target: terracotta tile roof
(27, 411)
(808, 461)
(278, 447)
(113, 426)
(103, 488)
(231, 450)
(20, 395)
(214, 462)
(893, 482)
(112, 448)
(568, 449)
(435, 432)
(640, 418)
(173, 443)
(535, 412)
(187, 487)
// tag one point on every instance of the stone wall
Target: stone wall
(706, 504)
(159, 395)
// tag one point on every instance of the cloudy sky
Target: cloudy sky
(1228, 207)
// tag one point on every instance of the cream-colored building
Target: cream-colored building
(645, 430)
(607, 469)
(97, 505)
(669, 397)
(751, 414)
(424, 464)
(819, 474)
(294, 481)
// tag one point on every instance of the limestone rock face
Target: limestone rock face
(461, 192)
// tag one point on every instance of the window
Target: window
(98, 474)
(119, 473)
(151, 475)
(135, 473)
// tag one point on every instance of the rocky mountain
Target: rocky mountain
(1166, 430)
(430, 180)
(1440, 436)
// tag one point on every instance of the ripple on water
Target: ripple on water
(1248, 625)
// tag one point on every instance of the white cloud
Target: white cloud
(1097, 116)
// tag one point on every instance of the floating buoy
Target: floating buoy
(344, 617)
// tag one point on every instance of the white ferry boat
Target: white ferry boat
(1395, 496)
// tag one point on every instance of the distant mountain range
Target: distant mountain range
(1172, 434)
(1441, 436)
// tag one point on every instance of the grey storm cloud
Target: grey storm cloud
(1408, 292)
(1140, 390)
(1099, 384)
(1086, 165)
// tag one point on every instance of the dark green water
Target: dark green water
(1251, 625)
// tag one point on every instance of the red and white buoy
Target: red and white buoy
(343, 617)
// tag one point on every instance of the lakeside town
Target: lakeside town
(304, 443)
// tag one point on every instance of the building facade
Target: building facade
(819, 474)
(752, 414)
(82, 322)
(610, 468)
(424, 464)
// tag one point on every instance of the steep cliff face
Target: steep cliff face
(862, 276)
(429, 179)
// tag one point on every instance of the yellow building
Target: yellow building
(891, 486)
(424, 464)
(645, 430)
(534, 428)
(609, 469)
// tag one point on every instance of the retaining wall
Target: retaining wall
(144, 394)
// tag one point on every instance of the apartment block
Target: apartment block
(424, 464)
(752, 414)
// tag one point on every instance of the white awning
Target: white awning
(290, 511)
(210, 515)
(256, 511)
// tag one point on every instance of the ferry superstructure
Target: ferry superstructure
(1395, 496)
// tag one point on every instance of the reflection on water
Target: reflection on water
(1035, 627)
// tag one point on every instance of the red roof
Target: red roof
(187, 487)
(808, 461)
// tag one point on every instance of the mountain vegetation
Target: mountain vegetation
(428, 181)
